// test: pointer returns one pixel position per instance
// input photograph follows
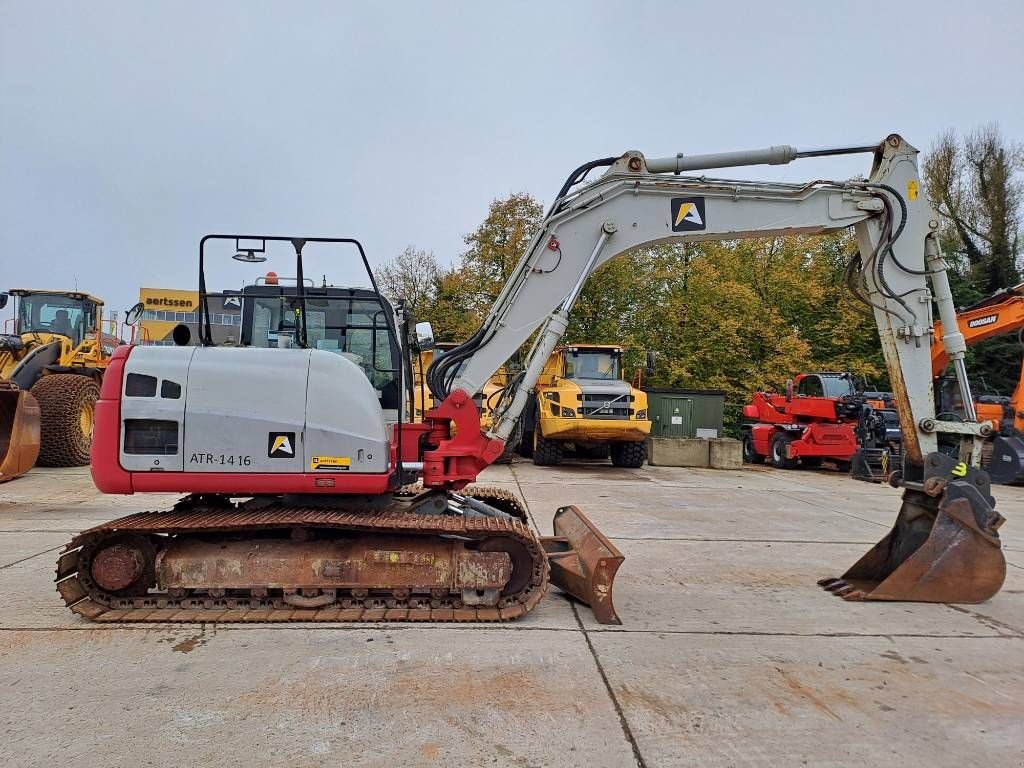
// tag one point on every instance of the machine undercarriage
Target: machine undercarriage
(425, 556)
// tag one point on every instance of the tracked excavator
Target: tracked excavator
(1000, 314)
(299, 503)
(880, 438)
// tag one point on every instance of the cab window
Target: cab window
(810, 386)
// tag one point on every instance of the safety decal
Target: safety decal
(912, 190)
(281, 445)
(688, 214)
(331, 463)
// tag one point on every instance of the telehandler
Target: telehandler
(294, 469)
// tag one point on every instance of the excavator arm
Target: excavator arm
(898, 272)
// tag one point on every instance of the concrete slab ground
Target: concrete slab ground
(729, 654)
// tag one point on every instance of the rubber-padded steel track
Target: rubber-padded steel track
(85, 598)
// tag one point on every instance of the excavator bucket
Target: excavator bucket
(19, 431)
(583, 562)
(944, 547)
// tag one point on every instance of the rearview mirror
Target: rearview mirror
(3, 299)
(649, 366)
(131, 317)
(424, 336)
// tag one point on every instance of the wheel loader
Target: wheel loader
(53, 354)
(306, 498)
(583, 405)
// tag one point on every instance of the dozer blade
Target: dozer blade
(19, 431)
(583, 562)
(944, 547)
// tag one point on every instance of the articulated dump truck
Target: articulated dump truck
(584, 407)
(310, 494)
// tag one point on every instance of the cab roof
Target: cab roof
(76, 295)
(596, 347)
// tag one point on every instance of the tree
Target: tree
(976, 186)
(450, 311)
(496, 246)
(412, 275)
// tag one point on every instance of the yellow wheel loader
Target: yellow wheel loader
(53, 353)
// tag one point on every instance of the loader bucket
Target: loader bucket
(583, 562)
(944, 547)
(19, 431)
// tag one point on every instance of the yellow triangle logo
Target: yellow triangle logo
(281, 442)
(688, 212)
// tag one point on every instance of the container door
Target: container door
(675, 417)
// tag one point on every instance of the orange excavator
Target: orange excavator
(999, 314)
(878, 432)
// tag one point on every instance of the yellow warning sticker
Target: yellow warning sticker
(912, 189)
(335, 463)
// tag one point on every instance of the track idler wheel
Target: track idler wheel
(944, 547)
(124, 565)
(583, 562)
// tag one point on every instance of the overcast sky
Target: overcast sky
(128, 130)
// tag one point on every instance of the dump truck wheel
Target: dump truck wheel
(750, 456)
(631, 455)
(780, 442)
(508, 455)
(546, 453)
(67, 405)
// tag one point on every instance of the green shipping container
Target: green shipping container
(685, 412)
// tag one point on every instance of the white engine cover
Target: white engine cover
(249, 410)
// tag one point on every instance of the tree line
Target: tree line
(746, 315)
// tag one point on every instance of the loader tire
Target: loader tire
(750, 456)
(67, 404)
(546, 453)
(778, 447)
(631, 455)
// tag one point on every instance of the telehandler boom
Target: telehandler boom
(325, 531)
